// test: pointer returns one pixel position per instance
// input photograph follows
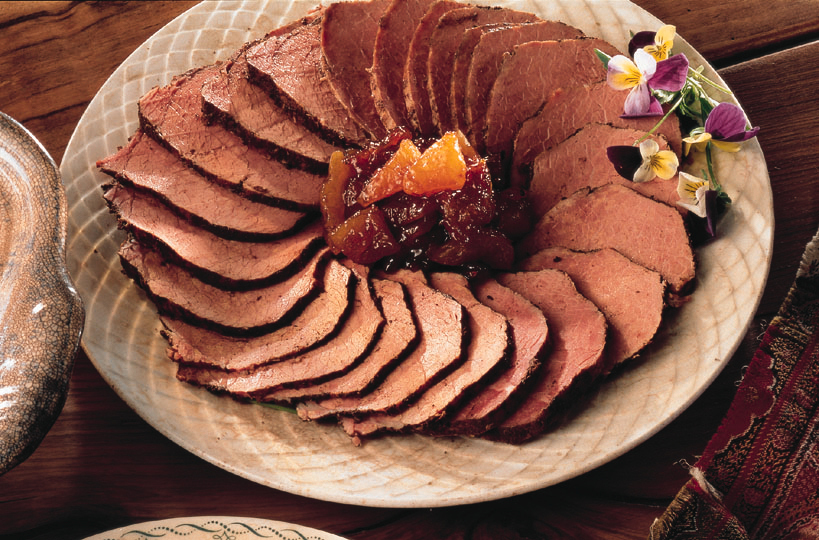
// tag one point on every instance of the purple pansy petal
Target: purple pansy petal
(724, 121)
(640, 40)
(626, 160)
(654, 109)
(638, 101)
(711, 212)
(727, 123)
(670, 74)
(740, 137)
(704, 228)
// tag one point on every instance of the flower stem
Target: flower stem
(693, 73)
(710, 164)
(651, 131)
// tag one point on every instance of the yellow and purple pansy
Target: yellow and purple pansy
(643, 163)
(643, 75)
(700, 197)
(658, 44)
(656, 77)
(725, 128)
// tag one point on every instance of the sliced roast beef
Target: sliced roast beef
(289, 67)
(146, 165)
(460, 71)
(246, 108)
(578, 333)
(646, 231)
(397, 339)
(489, 349)
(630, 296)
(442, 324)
(497, 399)
(416, 94)
(178, 293)
(173, 115)
(568, 110)
(348, 32)
(484, 64)
(392, 42)
(349, 346)
(528, 75)
(319, 322)
(443, 45)
(226, 263)
(487, 56)
(580, 161)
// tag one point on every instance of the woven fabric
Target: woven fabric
(758, 478)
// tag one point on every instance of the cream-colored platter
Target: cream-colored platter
(275, 448)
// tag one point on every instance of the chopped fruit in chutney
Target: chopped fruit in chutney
(441, 167)
(404, 203)
(391, 178)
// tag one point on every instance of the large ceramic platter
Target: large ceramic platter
(275, 448)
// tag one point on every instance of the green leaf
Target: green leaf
(664, 96)
(276, 407)
(705, 107)
(603, 57)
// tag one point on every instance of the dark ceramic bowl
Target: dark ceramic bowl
(41, 314)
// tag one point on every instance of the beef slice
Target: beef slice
(480, 68)
(498, 398)
(316, 324)
(581, 162)
(173, 115)
(348, 32)
(569, 109)
(488, 351)
(146, 165)
(578, 333)
(290, 68)
(631, 297)
(648, 232)
(392, 42)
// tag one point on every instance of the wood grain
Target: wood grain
(54, 56)
(101, 466)
(729, 31)
(780, 95)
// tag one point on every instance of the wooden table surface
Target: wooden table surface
(101, 466)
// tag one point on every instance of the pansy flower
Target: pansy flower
(658, 44)
(700, 198)
(643, 163)
(725, 128)
(643, 75)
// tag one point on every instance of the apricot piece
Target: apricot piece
(374, 156)
(469, 152)
(331, 202)
(389, 179)
(440, 167)
(364, 237)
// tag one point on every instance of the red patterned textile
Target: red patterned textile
(758, 478)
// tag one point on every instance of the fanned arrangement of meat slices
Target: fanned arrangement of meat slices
(222, 191)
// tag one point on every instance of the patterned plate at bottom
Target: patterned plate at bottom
(210, 527)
